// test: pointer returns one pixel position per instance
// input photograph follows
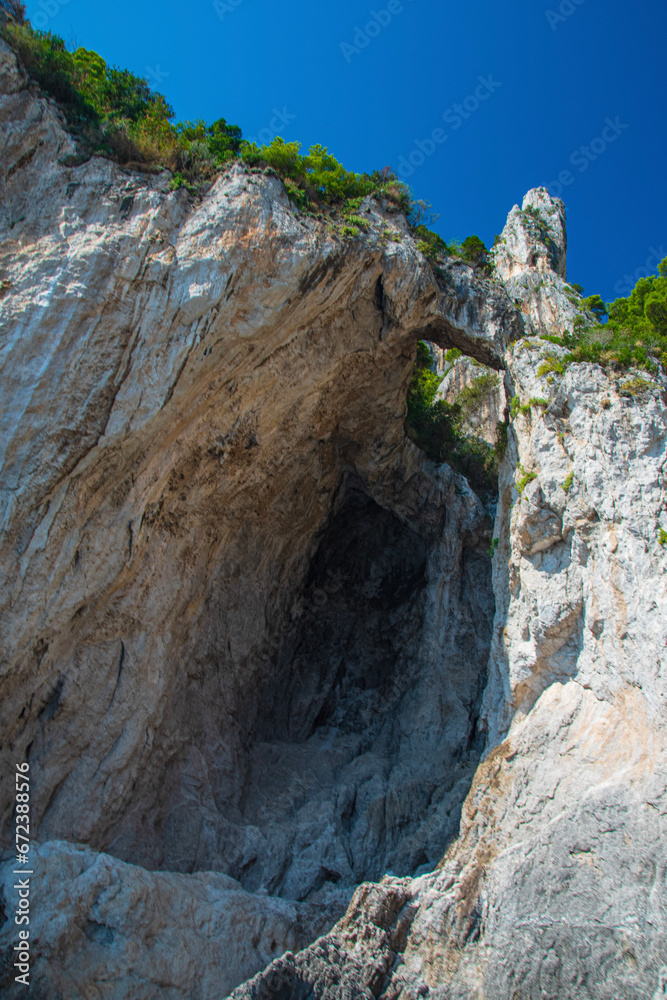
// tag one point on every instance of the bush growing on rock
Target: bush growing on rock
(114, 113)
(436, 426)
(635, 334)
(474, 252)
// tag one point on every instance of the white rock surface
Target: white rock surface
(202, 432)
(245, 623)
(557, 884)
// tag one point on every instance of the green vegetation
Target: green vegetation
(634, 335)
(662, 536)
(318, 179)
(516, 406)
(114, 113)
(636, 386)
(569, 479)
(111, 112)
(493, 547)
(552, 364)
(526, 477)
(479, 389)
(436, 426)
(502, 428)
(430, 244)
(595, 305)
(474, 252)
(435, 249)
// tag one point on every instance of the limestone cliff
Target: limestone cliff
(254, 646)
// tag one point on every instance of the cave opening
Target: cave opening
(364, 739)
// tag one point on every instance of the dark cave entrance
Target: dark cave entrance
(364, 739)
(339, 662)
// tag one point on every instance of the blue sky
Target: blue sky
(573, 97)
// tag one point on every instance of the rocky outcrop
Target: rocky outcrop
(246, 624)
(556, 885)
(478, 391)
(254, 648)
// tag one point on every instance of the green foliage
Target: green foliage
(636, 386)
(595, 305)
(435, 426)
(324, 181)
(474, 394)
(349, 231)
(430, 244)
(356, 220)
(517, 407)
(662, 536)
(493, 547)
(179, 181)
(577, 288)
(635, 334)
(527, 477)
(500, 446)
(569, 479)
(115, 113)
(474, 251)
(551, 364)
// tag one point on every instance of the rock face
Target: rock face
(254, 648)
(556, 885)
(246, 625)
(479, 391)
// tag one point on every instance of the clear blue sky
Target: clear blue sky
(554, 81)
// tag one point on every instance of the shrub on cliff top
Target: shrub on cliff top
(635, 335)
(115, 113)
(318, 173)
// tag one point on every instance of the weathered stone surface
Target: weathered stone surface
(103, 927)
(250, 635)
(245, 623)
(484, 403)
(557, 884)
